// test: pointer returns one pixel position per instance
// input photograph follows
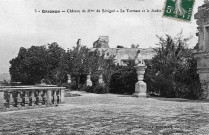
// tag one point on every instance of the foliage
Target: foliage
(55, 61)
(69, 86)
(100, 89)
(89, 89)
(85, 62)
(123, 80)
(172, 72)
(52, 63)
(37, 63)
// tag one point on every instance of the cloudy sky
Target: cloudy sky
(20, 26)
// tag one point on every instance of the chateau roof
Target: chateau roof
(128, 53)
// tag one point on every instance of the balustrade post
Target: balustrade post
(39, 98)
(58, 96)
(1, 100)
(49, 97)
(44, 98)
(55, 97)
(33, 98)
(26, 99)
(62, 95)
(11, 101)
(19, 100)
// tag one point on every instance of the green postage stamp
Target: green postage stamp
(179, 9)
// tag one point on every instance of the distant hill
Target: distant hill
(4, 76)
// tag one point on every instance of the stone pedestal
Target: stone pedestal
(1, 100)
(140, 86)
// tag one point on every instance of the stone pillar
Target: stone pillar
(55, 97)
(202, 54)
(27, 101)
(49, 97)
(39, 98)
(140, 86)
(1, 100)
(62, 95)
(19, 100)
(203, 71)
(11, 100)
(204, 79)
(33, 98)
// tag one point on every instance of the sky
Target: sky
(21, 26)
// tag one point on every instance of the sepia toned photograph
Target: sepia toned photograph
(104, 67)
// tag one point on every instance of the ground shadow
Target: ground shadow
(180, 100)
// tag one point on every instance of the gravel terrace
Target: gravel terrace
(108, 114)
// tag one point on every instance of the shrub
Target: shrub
(70, 86)
(100, 89)
(123, 80)
(88, 89)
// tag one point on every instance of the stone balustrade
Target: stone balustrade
(25, 97)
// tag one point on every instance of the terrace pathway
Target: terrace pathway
(111, 114)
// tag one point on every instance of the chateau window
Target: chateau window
(206, 37)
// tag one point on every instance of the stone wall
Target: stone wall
(202, 55)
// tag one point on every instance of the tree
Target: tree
(28, 66)
(172, 72)
(37, 63)
(87, 62)
(52, 63)
(55, 64)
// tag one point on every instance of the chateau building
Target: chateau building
(122, 55)
(202, 55)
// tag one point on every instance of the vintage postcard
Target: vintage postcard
(104, 67)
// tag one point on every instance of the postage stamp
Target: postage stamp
(179, 9)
